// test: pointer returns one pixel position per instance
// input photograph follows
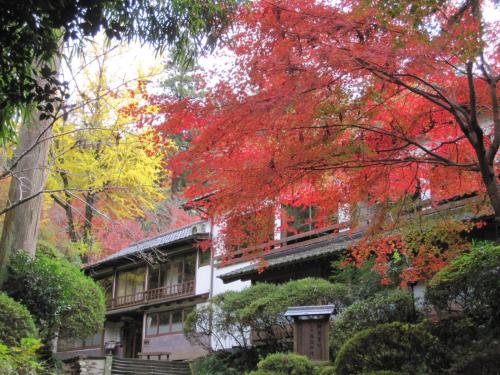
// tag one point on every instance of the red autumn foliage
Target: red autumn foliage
(335, 103)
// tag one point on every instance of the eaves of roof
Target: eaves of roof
(184, 234)
(296, 255)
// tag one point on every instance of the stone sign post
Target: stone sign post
(311, 327)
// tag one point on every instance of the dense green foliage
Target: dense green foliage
(232, 362)
(470, 286)
(58, 295)
(21, 359)
(362, 282)
(394, 346)
(212, 364)
(260, 309)
(466, 297)
(285, 364)
(395, 306)
(16, 322)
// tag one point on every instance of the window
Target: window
(65, 344)
(299, 219)
(177, 270)
(204, 257)
(176, 321)
(166, 322)
(151, 324)
(130, 282)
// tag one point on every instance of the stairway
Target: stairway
(128, 366)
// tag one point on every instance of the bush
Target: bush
(361, 280)
(58, 295)
(260, 309)
(285, 363)
(464, 347)
(227, 362)
(212, 364)
(395, 346)
(327, 370)
(484, 360)
(16, 322)
(470, 286)
(466, 298)
(22, 359)
(396, 306)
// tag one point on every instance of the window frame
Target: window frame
(162, 271)
(185, 311)
(131, 288)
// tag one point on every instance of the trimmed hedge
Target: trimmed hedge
(16, 322)
(395, 346)
(286, 364)
(395, 306)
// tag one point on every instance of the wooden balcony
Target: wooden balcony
(165, 293)
(425, 208)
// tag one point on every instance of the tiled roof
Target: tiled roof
(298, 254)
(158, 241)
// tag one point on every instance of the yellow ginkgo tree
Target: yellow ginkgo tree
(104, 166)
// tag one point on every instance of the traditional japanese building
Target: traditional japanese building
(152, 285)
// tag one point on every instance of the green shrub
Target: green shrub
(361, 280)
(58, 295)
(212, 364)
(395, 306)
(479, 359)
(395, 346)
(16, 322)
(464, 347)
(22, 359)
(470, 286)
(466, 297)
(327, 370)
(228, 362)
(260, 308)
(285, 363)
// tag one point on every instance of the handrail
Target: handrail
(320, 234)
(164, 293)
(326, 233)
(286, 240)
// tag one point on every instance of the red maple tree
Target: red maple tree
(335, 103)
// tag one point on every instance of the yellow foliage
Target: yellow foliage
(100, 151)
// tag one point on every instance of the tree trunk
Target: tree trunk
(29, 175)
(21, 224)
(88, 238)
(493, 190)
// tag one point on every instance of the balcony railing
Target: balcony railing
(331, 232)
(158, 294)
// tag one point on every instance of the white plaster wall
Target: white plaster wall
(203, 279)
(220, 287)
(419, 294)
